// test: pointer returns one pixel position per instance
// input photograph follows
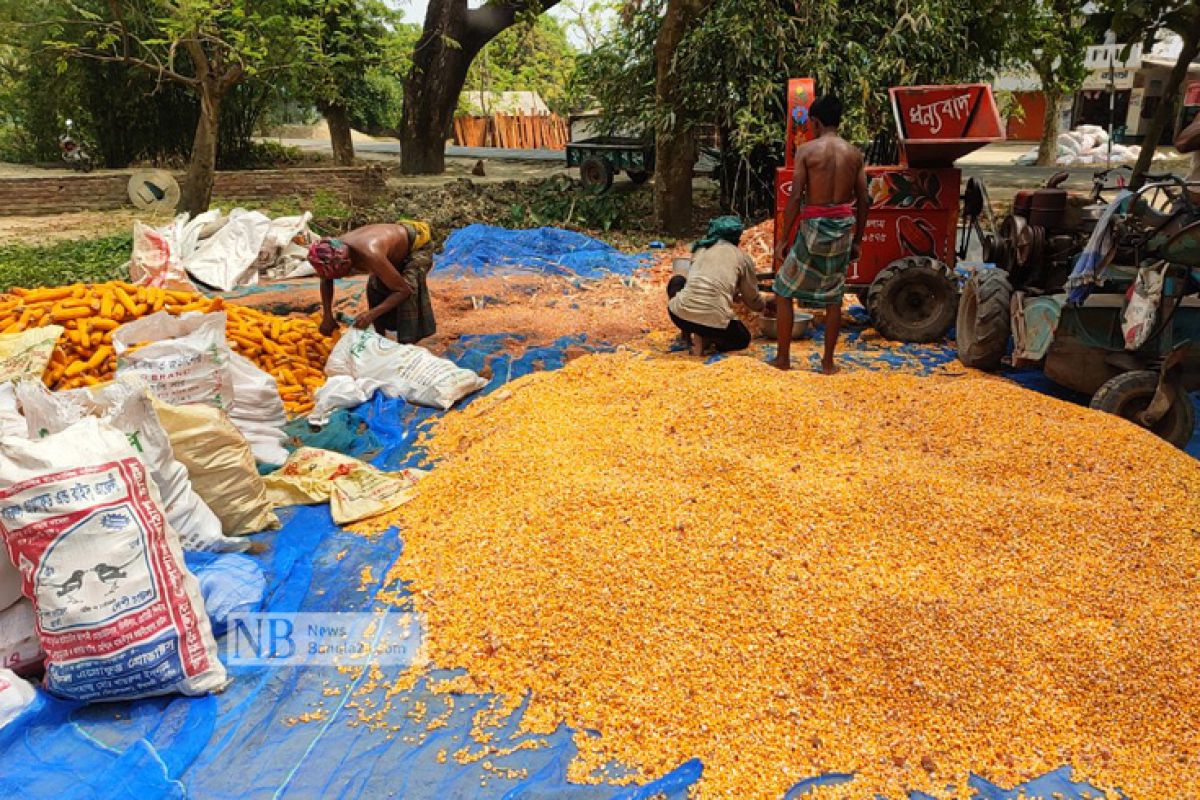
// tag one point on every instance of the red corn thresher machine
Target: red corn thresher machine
(906, 275)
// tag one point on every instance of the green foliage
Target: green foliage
(125, 112)
(16, 147)
(347, 38)
(527, 57)
(1008, 106)
(264, 154)
(562, 202)
(87, 260)
(1053, 40)
(735, 60)
(1142, 20)
(331, 213)
(375, 103)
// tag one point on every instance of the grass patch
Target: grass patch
(82, 261)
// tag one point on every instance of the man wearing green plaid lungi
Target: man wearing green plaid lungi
(828, 210)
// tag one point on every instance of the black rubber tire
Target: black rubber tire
(596, 175)
(638, 177)
(984, 319)
(913, 300)
(1130, 393)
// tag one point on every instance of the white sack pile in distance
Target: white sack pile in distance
(1087, 145)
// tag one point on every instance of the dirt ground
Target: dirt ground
(541, 309)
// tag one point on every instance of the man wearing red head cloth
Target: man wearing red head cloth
(397, 258)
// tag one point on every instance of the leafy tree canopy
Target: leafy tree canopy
(534, 55)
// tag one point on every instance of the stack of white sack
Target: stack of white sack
(1087, 145)
(221, 251)
(185, 359)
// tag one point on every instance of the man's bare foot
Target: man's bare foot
(829, 368)
(697, 345)
(783, 364)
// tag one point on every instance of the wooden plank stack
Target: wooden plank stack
(512, 131)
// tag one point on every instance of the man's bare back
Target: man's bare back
(829, 183)
(831, 167)
(387, 240)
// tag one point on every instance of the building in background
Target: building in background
(1136, 82)
(516, 103)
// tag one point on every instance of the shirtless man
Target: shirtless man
(830, 199)
(1188, 141)
(397, 298)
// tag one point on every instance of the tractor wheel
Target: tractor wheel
(638, 177)
(984, 319)
(913, 300)
(1130, 393)
(596, 175)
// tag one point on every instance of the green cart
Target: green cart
(600, 158)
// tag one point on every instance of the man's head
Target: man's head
(721, 229)
(826, 112)
(330, 258)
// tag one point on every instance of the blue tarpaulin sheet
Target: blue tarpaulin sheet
(484, 250)
(246, 743)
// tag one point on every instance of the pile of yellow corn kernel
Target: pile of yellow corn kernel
(787, 575)
(290, 348)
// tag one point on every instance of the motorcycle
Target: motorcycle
(73, 152)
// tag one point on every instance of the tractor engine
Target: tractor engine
(1037, 243)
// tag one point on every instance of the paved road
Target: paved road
(992, 164)
(393, 148)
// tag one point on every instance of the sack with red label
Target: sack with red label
(118, 614)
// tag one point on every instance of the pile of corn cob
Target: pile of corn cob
(290, 348)
(786, 575)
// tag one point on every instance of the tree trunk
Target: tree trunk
(1048, 147)
(1191, 45)
(196, 192)
(337, 117)
(453, 35)
(431, 91)
(675, 147)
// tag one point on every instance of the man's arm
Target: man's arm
(368, 317)
(862, 201)
(401, 289)
(1188, 140)
(748, 284)
(328, 323)
(795, 203)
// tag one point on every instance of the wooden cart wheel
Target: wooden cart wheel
(596, 174)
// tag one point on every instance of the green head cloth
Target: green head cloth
(728, 229)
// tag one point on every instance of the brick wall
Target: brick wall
(62, 193)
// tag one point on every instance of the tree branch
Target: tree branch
(485, 22)
(157, 69)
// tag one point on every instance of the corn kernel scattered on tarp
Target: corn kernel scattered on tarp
(787, 574)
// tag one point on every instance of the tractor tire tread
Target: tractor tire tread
(881, 317)
(1182, 414)
(983, 340)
